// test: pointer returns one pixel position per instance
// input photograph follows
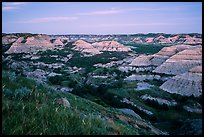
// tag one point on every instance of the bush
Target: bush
(19, 93)
(5, 47)
(23, 41)
(8, 93)
(179, 107)
(12, 76)
(155, 104)
(22, 92)
(117, 84)
(56, 80)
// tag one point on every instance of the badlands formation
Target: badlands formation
(172, 39)
(85, 47)
(188, 83)
(110, 46)
(33, 43)
(98, 47)
(9, 39)
(30, 44)
(43, 42)
(174, 60)
(183, 61)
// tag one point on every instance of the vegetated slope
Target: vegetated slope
(99, 79)
(32, 108)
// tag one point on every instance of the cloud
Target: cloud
(13, 3)
(137, 24)
(8, 6)
(117, 11)
(48, 19)
(104, 12)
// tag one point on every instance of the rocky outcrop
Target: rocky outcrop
(172, 39)
(149, 40)
(85, 47)
(58, 42)
(184, 61)
(136, 77)
(162, 40)
(169, 51)
(127, 68)
(110, 46)
(142, 60)
(99, 47)
(39, 75)
(138, 40)
(186, 84)
(53, 65)
(64, 102)
(8, 39)
(31, 44)
(130, 112)
(52, 74)
(181, 62)
(159, 100)
(160, 57)
(126, 101)
(191, 40)
(195, 108)
(143, 86)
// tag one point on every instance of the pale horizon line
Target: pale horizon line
(131, 33)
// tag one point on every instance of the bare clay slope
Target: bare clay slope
(30, 44)
(186, 84)
(181, 62)
(184, 61)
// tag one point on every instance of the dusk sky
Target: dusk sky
(101, 17)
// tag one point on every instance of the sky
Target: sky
(101, 17)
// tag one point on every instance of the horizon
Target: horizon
(104, 34)
(101, 18)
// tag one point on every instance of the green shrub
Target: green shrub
(56, 80)
(12, 76)
(5, 47)
(8, 93)
(147, 49)
(23, 41)
(52, 40)
(22, 92)
(155, 104)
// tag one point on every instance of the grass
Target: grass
(146, 49)
(88, 62)
(38, 113)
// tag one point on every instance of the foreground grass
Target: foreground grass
(35, 111)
